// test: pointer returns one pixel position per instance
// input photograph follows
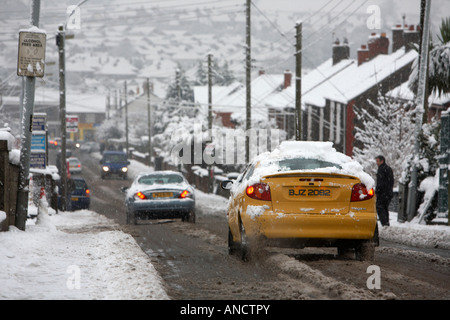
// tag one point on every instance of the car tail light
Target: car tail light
(88, 192)
(141, 196)
(360, 193)
(185, 194)
(259, 191)
(79, 166)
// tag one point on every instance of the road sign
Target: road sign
(39, 122)
(38, 143)
(71, 123)
(37, 160)
(31, 56)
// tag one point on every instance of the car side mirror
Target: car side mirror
(124, 189)
(226, 185)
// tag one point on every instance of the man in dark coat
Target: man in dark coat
(384, 190)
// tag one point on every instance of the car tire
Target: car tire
(245, 251)
(365, 251)
(190, 217)
(232, 246)
(131, 218)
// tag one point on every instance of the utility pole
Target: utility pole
(421, 100)
(211, 175)
(298, 82)
(60, 42)
(126, 118)
(248, 81)
(209, 91)
(149, 114)
(22, 192)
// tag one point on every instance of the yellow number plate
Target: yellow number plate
(162, 195)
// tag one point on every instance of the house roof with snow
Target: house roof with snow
(343, 81)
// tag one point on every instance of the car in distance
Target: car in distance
(74, 165)
(302, 194)
(114, 163)
(160, 195)
(80, 195)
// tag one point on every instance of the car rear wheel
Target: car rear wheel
(131, 218)
(232, 245)
(190, 217)
(365, 251)
(245, 251)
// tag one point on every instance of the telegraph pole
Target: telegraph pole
(126, 117)
(22, 192)
(149, 114)
(420, 107)
(248, 81)
(298, 82)
(60, 42)
(210, 91)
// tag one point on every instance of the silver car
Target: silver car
(160, 195)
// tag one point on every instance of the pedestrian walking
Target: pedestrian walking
(384, 190)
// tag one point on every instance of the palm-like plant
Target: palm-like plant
(439, 63)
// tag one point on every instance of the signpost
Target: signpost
(30, 64)
(38, 151)
(31, 58)
(72, 123)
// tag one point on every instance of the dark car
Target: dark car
(160, 195)
(114, 163)
(78, 194)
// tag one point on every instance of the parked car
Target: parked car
(114, 163)
(78, 194)
(302, 194)
(74, 165)
(158, 195)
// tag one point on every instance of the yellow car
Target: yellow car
(302, 194)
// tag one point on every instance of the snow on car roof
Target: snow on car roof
(268, 161)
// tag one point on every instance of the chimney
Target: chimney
(411, 35)
(378, 44)
(340, 51)
(397, 37)
(287, 78)
(363, 54)
(261, 72)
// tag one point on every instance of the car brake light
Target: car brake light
(184, 194)
(79, 166)
(141, 196)
(259, 191)
(360, 193)
(88, 192)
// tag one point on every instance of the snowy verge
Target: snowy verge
(75, 255)
(416, 235)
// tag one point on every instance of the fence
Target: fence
(9, 179)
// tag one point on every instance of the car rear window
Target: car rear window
(80, 184)
(160, 179)
(293, 164)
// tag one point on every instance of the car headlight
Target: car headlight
(124, 169)
(105, 168)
